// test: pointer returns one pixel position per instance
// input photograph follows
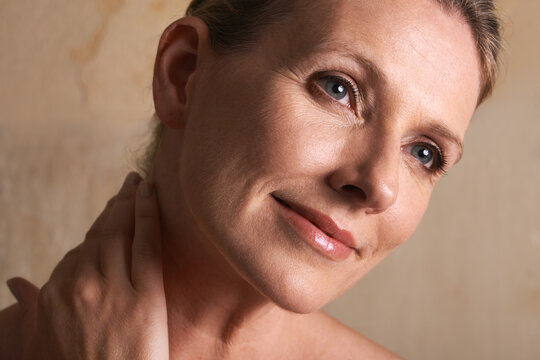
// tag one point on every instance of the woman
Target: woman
(299, 142)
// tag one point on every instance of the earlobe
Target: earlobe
(177, 59)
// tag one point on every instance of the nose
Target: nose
(369, 180)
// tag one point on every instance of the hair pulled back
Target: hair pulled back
(234, 24)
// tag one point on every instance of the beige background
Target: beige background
(75, 100)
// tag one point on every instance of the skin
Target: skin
(105, 299)
(239, 281)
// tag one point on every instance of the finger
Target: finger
(115, 243)
(146, 268)
(101, 219)
(90, 258)
(65, 269)
(26, 294)
(69, 264)
(124, 205)
(24, 291)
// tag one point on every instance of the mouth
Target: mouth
(318, 230)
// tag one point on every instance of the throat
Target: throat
(212, 309)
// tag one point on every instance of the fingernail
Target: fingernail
(13, 288)
(131, 179)
(146, 189)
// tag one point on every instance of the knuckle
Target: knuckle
(86, 292)
(147, 213)
(108, 235)
(114, 237)
(111, 232)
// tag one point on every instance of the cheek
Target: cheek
(401, 220)
(296, 138)
(244, 140)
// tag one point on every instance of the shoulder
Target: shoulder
(327, 338)
(10, 342)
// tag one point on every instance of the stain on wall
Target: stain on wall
(82, 55)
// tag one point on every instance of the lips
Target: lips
(319, 229)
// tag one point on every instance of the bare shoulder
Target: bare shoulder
(10, 343)
(327, 338)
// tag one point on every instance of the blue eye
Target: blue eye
(430, 156)
(424, 154)
(337, 88)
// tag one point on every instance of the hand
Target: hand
(105, 299)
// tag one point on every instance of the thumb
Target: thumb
(26, 294)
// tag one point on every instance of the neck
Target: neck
(213, 312)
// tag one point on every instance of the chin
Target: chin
(294, 296)
(270, 257)
(298, 300)
(293, 286)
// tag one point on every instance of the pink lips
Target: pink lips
(319, 230)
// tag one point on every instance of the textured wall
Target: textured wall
(75, 98)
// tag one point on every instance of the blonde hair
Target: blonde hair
(234, 24)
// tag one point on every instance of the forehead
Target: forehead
(425, 55)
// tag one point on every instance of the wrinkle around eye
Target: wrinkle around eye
(334, 107)
(419, 175)
(305, 85)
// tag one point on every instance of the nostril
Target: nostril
(355, 191)
(373, 186)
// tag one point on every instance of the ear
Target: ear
(178, 56)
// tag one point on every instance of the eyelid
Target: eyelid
(440, 166)
(351, 85)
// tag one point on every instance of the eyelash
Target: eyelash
(440, 166)
(350, 85)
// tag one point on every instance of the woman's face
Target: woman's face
(307, 158)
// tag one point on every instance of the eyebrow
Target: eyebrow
(368, 64)
(355, 55)
(433, 125)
